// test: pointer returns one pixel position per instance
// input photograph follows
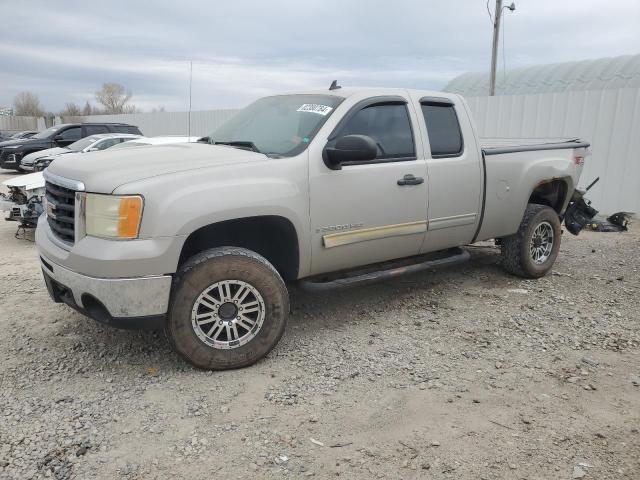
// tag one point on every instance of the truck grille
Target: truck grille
(61, 211)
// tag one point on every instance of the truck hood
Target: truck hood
(104, 171)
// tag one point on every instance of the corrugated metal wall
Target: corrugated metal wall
(165, 123)
(609, 119)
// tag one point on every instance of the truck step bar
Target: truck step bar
(384, 271)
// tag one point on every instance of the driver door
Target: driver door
(366, 212)
(68, 136)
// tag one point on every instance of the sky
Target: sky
(63, 51)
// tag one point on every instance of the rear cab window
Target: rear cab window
(443, 128)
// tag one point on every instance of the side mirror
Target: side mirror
(93, 149)
(350, 148)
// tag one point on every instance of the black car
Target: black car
(12, 151)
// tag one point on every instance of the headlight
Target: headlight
(113, 216)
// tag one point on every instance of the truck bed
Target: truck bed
(496, 145)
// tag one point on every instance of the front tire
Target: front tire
(229, 308)
(533, 249)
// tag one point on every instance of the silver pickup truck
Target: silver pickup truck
(329, 188)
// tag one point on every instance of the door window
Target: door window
(95, 129)
(443, 128)
(71, 134)
(388, 125)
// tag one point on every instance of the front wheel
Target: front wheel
(533, 249)
(229, 308)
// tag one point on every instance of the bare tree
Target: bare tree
(114, 97)
(71, 110)
(89, 109)
(27, 104)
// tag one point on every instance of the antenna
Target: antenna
(190, 84)
(334, 85)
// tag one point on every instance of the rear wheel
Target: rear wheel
(228, 310)
(533, 249)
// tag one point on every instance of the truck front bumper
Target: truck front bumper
(120, 302)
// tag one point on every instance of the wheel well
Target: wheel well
(273, 237)
(552, 193)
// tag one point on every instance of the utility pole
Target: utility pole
(494, 53)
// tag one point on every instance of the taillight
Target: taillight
(578, 160)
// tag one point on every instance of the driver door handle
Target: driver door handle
(410, 179)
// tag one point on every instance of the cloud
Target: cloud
(244, 49)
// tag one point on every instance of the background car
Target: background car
(38, 161)
(12, 151)
(23, 134)
(140, 142)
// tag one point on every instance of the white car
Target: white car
(38, 161)
(142, 141)
(24, 202)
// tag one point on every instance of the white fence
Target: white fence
(165, 123)
(608, 119)
(18, 124)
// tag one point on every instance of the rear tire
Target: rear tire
(533, 249)
(229, 308)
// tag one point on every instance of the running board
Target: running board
(367, 275)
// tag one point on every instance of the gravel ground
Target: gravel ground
(465, 373)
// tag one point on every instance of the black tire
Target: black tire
(516, 254)
(215, 265)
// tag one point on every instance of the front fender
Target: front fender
(181, 203)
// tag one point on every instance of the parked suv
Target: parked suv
(12, 151)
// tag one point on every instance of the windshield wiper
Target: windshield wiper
(240, 144)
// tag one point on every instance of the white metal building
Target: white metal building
(596, 100)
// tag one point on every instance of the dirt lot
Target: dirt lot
(465, 373)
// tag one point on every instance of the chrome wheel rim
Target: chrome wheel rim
(228, 314)
(541, 244)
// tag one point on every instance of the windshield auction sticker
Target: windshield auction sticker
(315, 108)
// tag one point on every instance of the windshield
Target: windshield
(280, 126)
(82, 144)
(48, 132)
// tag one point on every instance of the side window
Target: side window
(388, 125)
(95, 129)
(126, 129)
(443, 128)
(110, 142)
(71, 134)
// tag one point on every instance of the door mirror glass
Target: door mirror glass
(351, 148)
